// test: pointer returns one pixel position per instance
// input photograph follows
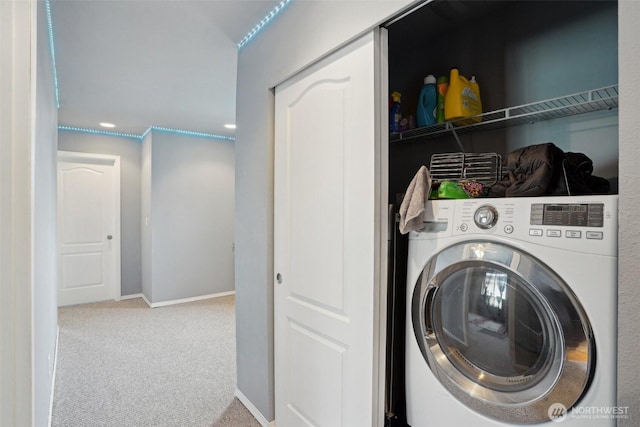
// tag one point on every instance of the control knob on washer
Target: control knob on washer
(486, 216)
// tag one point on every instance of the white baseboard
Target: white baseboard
(146, 300)
(183, 300)
(53, 382)
(254, 411)
(131, 296)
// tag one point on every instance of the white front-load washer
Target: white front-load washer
(511, 313)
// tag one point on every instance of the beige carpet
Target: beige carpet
(124, 364)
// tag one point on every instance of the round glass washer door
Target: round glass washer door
(502, 332)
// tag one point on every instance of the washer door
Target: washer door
(502, 332)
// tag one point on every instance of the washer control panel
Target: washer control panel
(567, 214)
(581, 223)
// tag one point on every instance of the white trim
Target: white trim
(131, 296)
(146, 300)
(17, 104)
(382, 224)
(183, 300)
(108, 160)
(254, 411)
(412, 7)
(53, 381)
(96, 159)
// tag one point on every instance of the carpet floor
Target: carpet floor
(124, 364)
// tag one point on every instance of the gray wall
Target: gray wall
(302, 33)
(629, 243)
(45, 310)
(130, 152)
(534, 72)
(176, 211)
(306, 31)
(192, 201)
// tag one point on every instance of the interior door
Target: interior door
(88, 228)
(328, 225)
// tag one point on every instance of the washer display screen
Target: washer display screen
(568, 214)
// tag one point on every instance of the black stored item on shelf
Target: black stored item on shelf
(545, 169)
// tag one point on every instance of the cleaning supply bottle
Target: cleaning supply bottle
(476, 89)
(462, 99)
(394, 112)
(442, 85)
(427, 102)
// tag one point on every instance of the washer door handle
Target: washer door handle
(428, 302)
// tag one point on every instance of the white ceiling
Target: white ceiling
(142, 63)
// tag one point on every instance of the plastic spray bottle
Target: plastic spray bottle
(394, 112)
(427, 102)
(476, 90)
(442, 86)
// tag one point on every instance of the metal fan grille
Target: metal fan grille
(485, 168)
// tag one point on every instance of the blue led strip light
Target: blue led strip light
(190, 133)
(255, 30)
(100, 132)
(141, 137)
(53, 51)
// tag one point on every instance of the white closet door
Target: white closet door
(328, 198)
(88, 228)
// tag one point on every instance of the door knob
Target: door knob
(109, 237)
(279, 278)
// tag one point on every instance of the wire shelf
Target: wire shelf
(605, 98)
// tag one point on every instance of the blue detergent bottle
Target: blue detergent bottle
(427, 102)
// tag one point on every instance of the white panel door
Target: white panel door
(88, 229)
(326, 244)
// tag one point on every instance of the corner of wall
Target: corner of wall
(146, 219)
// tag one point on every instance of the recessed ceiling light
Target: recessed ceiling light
(107, 125)
(230, 126)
